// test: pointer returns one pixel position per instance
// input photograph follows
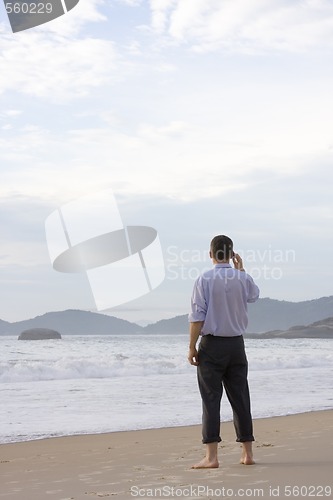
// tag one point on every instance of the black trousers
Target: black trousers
(223, 363)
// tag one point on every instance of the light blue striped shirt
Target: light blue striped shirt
(220, 297)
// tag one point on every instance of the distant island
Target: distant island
(268, 318)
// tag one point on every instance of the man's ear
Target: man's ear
(210, 254)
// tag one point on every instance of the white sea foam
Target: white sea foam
(131, 364)
(66, 369)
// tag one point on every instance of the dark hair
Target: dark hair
(221, 247)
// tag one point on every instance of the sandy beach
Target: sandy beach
(294, 459)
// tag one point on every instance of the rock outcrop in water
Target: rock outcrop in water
(39, 334)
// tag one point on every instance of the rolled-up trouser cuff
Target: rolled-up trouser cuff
(245, 439)
(212, 440)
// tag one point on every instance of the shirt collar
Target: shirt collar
(222, 265)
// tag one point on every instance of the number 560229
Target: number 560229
(28, 8)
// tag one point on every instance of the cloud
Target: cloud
(53, 67)
(160, 11)
(243, 26)
(178, 158)
(131, 3)
(169, 159)
(72, 23)
(10, 113)
(172, 130)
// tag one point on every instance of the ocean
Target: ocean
(96, 384)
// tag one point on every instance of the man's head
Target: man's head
(221, 248)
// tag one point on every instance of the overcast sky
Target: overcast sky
(203, 116)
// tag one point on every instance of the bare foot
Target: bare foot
(247, 460)
(206, 464)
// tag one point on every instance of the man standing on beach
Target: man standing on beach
(219, 315)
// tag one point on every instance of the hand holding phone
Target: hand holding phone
(237, 261)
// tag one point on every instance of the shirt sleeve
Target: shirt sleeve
(198, 303)
(252, 290)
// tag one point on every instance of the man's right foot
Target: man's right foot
(206, 464)
(247, 460)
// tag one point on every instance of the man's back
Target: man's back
(220, 298)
